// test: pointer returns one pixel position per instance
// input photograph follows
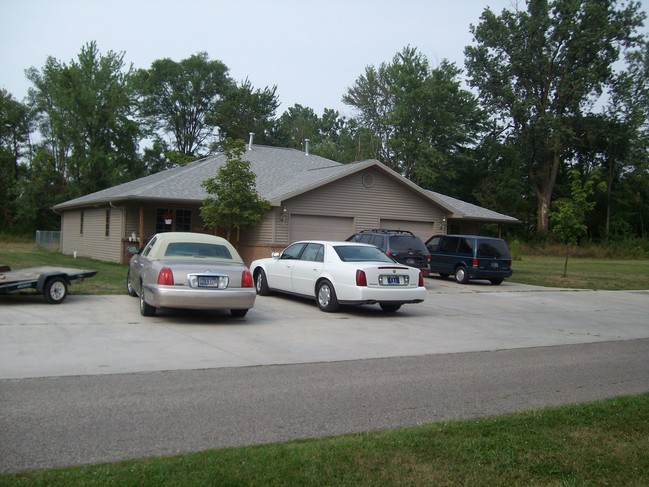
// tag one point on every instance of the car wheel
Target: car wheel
(56, 290)
(261, 284)
(326, 297)
(389, 308)
(129, 286)
(145, 309)
(238, 313)
(461, 275)
(496, 282)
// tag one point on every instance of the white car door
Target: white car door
(307, 269)
(280, 270)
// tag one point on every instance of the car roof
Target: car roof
(466, 236)
(164, 238)
(335, 243)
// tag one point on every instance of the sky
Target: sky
(312, 51)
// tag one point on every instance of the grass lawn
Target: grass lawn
(583, 273)
(603, 443)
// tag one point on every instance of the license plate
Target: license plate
(210, 281)
(393, 280)
(410, 261)
(495, 265)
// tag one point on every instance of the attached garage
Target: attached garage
(310, 227)
(423, 230)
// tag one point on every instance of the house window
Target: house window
(107, 230)
(81, 223)
(170, 220)
(183, 220)
(164, 219)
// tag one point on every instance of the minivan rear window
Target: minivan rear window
(493, 248)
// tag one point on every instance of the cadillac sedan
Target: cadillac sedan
(337, 273)
(190, 271)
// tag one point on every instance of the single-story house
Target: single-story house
(311, 197)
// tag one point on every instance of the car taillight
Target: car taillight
(166, 277)
(421, 279)
(361, 278)
(388, 253)
(246, 279)
(475, 263)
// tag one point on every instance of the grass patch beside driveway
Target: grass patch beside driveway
(603, 443)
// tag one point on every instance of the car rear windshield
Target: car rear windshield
(493, 248)
(194, 249)
(353, 253)
(407, 242)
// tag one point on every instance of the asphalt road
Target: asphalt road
(92, 381)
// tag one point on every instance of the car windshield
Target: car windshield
(354, 253)
(196, 249)
(407, 242)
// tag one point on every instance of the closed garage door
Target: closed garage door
(423, 230)
(308, 227)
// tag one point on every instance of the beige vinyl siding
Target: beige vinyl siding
(93, 242)
(348, 197)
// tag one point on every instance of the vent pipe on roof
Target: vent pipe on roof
(252, 134)
(306, 146)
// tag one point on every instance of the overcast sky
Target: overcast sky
(312, 51)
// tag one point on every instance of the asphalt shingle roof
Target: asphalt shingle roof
(281, 173)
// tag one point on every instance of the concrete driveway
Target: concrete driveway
(92, 335)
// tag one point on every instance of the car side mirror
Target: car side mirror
(275, 255)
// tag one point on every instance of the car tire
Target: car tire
(461, 275)
(261, 283)
(56, 290)
(389, 308)
(326, 298)
(496, 282)
(129, 287)
(145, 308)
(238, 313)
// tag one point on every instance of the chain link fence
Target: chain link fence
(48, 240)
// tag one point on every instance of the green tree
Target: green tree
(181, 98)
(15, 120)
(233, 201)
(245, 109)
(85, 114)
(569, 218)
(426, 123)
(331, 135)
(537, 70)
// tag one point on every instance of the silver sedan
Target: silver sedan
(190, 271)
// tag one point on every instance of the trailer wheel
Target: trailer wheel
(56, 290)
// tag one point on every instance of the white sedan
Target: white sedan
(339, 273)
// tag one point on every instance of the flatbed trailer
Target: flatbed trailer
(51, 282)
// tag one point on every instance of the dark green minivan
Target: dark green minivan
(469, 257)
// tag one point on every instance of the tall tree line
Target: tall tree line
(547, 88)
